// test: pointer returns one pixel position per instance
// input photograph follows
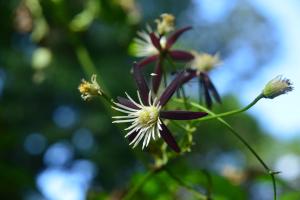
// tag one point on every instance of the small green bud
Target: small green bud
(277, 86)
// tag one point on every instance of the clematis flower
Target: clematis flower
(146, 114)
(155, 46)
(142, 45)
(202, 64)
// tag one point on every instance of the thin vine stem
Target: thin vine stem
(85, 60)
(236, 134)
(209, 184)
(184, 97)
(233, 112)
(183, 184)
(132, 192)
(88, 65)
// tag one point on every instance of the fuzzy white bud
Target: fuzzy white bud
(277, 86)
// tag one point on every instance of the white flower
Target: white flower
(89, 89)
(277, 86)
(204, 62)
(143, 46)
(145, 121)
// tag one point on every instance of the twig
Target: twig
(183, 184)
(233, 112)
(140, 185)
(236, 134)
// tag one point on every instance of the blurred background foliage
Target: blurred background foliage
(55, 146)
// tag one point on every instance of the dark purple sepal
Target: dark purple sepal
(155, 41)
(147, 60)
(181, 55)
(205, 86)
(168, 138)
(172, 87)
(156, 79)
(181, 115)
(173, 38)
(132, 136)
(213, 90)
(141, 83)
(126, 102)
(188, 75)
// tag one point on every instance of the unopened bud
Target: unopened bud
(277, 86)
(165, 24)
(204, 62)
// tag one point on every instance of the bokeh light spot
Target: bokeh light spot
(289, 166)
(83, 139)
(58, 184)
(35, 143)
(64, 116)
(67, 184)
(58, 154)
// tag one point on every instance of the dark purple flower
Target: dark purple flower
(146, 114)
(157, 49)
(200, 66)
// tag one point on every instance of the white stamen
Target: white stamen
(134, 102)
(143, 46)
(121, 110)
(139, 97)
(144, 119)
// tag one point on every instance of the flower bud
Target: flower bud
(165, 24)
(204, 62)
(277, 86)
(89, 89)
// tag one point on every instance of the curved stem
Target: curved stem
(209, 184)
(170, 61)
(107, 99)
(233, 112)
(236, 134)
(184, 97)
(188, 187)
(138, 186)
(87, 64)
(85, 59)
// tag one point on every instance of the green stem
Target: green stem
(200, 91)
(188, 187)
(209, 184)
(233, 112)
(186, 105)
(107, 99)
(236, 134)
(170, 61)
(165, 79)
(85, 60)
(138, 186)
(88, 65)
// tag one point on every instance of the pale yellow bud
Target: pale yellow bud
(204, 62)
(165, 24)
